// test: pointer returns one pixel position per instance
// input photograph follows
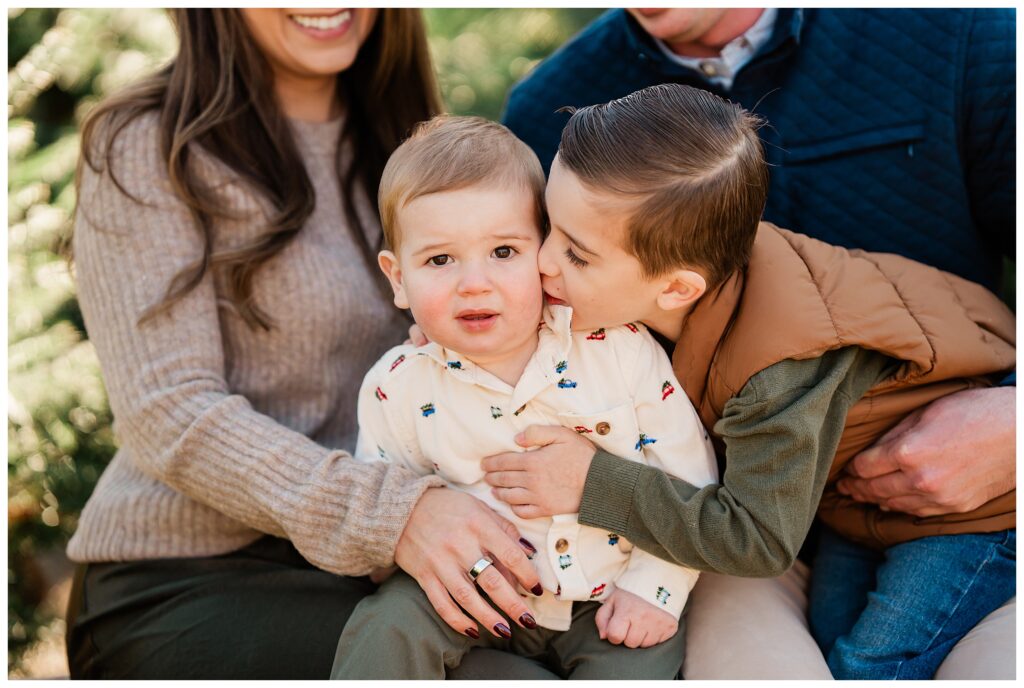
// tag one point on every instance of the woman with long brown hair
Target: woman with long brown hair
(225, 244)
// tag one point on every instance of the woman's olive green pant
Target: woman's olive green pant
(262, 612)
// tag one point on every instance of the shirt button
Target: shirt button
(561, 545)
(603, 428)
(708, 68)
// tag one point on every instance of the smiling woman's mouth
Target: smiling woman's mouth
(323, 25)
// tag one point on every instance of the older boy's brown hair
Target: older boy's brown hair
(694, 165)
(448, 153)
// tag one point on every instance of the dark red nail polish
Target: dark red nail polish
(537, 590)
(528, 621)
(502, 630)
(473, 633)
(528, 545)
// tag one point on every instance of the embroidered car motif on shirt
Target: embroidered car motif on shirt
(455, 365)
(666, 389)
(662, 595)
(564, 561)
(561, 366)
(632, 328)
(644, 439)
(598, 591)
(613, 539)
(496, 412)
(582, 429)
(566, 383)
(596, 335)
(379, 393)
(397, 362)
(427, 409)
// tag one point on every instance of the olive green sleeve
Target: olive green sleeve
(780, 433)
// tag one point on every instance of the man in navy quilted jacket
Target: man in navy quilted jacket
(888, 130)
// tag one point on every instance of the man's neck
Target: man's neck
(734, 23)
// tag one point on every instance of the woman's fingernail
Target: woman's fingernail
(528, 545)
(527, 620)
(502, 630)
(473, 633)
(537, 590)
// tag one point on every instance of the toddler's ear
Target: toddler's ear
(681, 289)
(388, 263)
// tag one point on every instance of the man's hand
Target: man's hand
(951, 456)
(625, 619)
(546, 481)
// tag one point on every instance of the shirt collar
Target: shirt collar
(736, 53)
(788, 25)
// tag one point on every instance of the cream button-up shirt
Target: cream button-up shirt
(436, 412)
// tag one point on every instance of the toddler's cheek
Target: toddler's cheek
(431, 308)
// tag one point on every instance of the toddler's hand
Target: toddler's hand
(625, 619)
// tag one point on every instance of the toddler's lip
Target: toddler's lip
(475, 313)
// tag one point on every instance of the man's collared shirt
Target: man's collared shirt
(722, 70)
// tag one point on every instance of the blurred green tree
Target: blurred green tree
(60, 63)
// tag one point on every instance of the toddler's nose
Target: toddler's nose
(474, 280)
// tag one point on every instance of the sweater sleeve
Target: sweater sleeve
(167, 384)
(780, 433)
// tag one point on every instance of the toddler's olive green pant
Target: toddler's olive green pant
(396, 634)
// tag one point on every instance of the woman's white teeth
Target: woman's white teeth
(322, 23)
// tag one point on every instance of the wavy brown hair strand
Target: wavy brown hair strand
(218, 94)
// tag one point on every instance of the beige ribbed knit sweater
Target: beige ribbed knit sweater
(226, 432)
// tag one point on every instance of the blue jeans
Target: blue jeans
(896, 614)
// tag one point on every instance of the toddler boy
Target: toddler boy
(462, 211)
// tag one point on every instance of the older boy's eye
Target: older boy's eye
(574, 259)
(504, 252)
(440, 260)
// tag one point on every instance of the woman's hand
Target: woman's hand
(447, 533)
(545, 481)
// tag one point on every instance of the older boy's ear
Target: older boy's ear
(681, 289)
(388, 263)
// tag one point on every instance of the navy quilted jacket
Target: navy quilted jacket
(889, 130)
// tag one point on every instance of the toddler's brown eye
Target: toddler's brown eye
(440, 260)
(503, 252)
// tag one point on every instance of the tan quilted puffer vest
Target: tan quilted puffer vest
(801, 297)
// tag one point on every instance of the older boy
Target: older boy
(797, 353)
(461, 209)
